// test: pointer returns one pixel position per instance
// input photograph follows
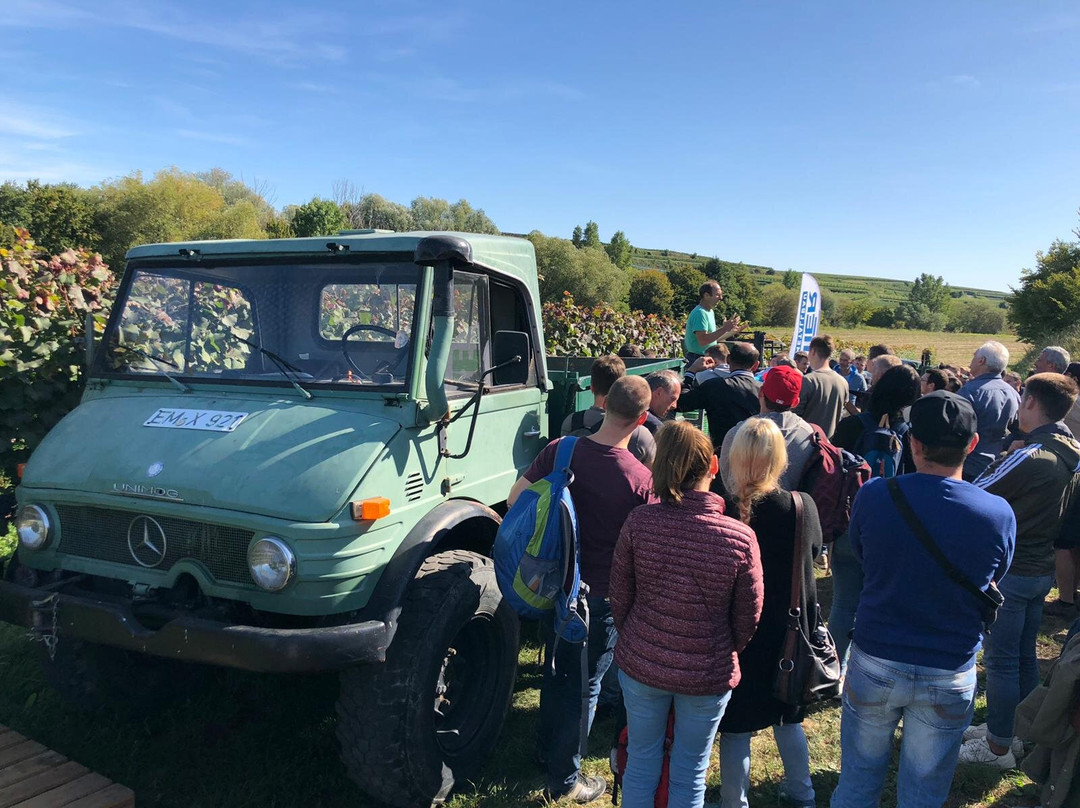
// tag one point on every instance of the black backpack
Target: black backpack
(578, 428)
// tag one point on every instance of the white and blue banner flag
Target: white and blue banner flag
(807, 316)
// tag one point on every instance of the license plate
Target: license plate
(206, 420)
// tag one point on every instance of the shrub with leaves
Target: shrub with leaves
(573, 330)
(44, 301)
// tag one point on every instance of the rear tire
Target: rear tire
(424, 722)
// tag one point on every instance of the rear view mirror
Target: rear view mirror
(507, 345)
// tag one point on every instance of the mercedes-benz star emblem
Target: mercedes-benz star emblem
(155, 469)
(146, 541)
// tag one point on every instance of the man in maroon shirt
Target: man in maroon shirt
(609, 482)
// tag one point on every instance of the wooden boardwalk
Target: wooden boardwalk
(32, 776)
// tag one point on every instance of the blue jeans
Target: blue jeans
(1009, 656)
(735, 765)
(936, 706)
(558, 735)
(847, 575)
(696, 720)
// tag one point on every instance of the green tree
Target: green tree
(1046, 307)
(59, 217)
(651, 293)
(173, 206)
(742, 295)
(686, 281)
(853, 313)
(587, 274)
(374, 211)
(976, 317)
(279, 227)
(882, 317)
(467, 219)
(235, 192)
(920, 316)
(591, 237)
(578, 237)
(930, 291)
(791, 279)
(779, 305)
(830, 309)
(619, 250)
(430, 213)
(319, 217)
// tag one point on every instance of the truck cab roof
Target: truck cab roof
(509, 256)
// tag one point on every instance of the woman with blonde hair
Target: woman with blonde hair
(758, 457)
(686, 593)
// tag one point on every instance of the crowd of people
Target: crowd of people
(691, 544)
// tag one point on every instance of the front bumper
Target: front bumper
(192, 639)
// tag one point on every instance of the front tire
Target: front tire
(425, 722)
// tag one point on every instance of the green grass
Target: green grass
(254, 740)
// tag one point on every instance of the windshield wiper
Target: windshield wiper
(156, 359)
(280, 363)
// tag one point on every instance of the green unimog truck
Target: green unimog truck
(291, 456)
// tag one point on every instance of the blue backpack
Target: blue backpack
(537, 554)
(881, 445)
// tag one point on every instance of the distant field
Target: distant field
(952, 349)
(885, 291)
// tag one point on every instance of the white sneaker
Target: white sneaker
(979, 731)
(977, 750)
(975, 731)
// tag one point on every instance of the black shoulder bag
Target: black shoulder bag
(989, 599)
(808, 669)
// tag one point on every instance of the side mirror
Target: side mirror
(506, 346)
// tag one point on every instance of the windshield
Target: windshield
(290, 324)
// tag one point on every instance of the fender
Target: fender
(425, 537)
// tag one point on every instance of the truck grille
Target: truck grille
(102, 533)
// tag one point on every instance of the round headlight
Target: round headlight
(32, 525)
(272, 564)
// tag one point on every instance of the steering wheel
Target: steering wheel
(378, 329)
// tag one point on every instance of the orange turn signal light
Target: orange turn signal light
(368, 510)
(19, 469)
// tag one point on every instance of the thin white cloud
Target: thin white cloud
(452, 90)
(31, 123)
(312, 87)
(19, 166)
(955, 82)
(171, 107)
(963, 80)
(222, 138)
(294, 38)
(1055, 23)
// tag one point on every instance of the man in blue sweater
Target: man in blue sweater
(917, 630)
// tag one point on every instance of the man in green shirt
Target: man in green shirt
(701, 330)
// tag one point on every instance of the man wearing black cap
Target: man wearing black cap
(918, 628)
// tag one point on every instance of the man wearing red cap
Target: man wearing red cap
(778, 394)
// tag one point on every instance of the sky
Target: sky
(884, 139)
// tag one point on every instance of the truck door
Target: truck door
(506, 434)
